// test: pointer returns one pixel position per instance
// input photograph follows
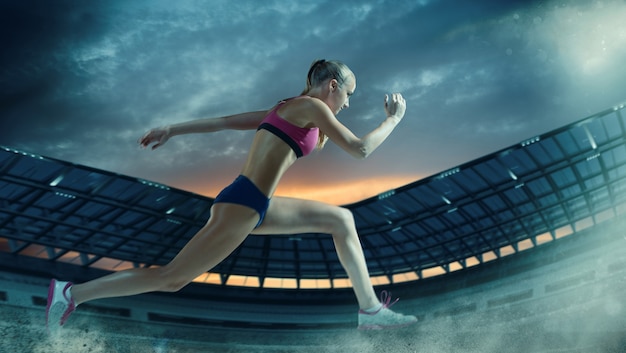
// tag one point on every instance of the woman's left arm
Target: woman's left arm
(243, 121)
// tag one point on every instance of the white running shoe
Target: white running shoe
(384, 318)
(60, 303)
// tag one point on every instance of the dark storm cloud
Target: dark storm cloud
(33, 32)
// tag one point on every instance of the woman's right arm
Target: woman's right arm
(361, 147)
(243, 121)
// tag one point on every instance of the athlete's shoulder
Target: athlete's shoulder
(306, 110)
(309, 104)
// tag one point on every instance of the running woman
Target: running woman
(290, 130)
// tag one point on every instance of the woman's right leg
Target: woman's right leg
(291, 216)
(228, 226)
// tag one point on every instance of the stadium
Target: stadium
(518, 251)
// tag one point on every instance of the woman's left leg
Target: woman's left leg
(228, 226)
(292, 216)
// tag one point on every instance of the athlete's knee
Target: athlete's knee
(174, 286)
(341, 222)
(170, 280)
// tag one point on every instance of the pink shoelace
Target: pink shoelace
(385, 299)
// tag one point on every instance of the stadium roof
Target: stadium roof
(531, 193)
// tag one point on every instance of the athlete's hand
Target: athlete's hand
(158, 136)
(396, 107)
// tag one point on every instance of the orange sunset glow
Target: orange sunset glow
(340, 193)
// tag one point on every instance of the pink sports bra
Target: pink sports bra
(301, 140)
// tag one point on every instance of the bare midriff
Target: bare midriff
(268, 160)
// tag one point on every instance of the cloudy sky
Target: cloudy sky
(82, 80)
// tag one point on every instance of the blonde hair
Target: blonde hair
(320, 71)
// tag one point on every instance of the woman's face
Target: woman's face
(339, 97)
